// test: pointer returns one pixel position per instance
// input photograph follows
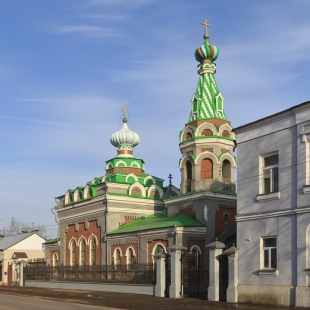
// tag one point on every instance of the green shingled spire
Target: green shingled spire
(207, 102)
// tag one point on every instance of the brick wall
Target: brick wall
(124, 248)
(93, 229)
(51, 257)
(152, 244)
(206, 169)
(187, 210)
(220, 224)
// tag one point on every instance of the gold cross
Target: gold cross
(125, 110)
(206, 24)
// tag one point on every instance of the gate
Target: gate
(168, 274)
(9, 274)
(223, 277)
(191, 275)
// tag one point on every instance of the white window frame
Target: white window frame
(268, 270)
(270, 170)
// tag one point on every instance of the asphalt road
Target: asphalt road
(9, 302)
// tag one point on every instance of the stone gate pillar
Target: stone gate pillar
(160, 275)
(232, 290)
(215, 249)
(175, 286)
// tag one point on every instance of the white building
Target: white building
(26, 247)
(273, 216)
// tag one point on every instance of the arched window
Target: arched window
(226, 218)
(188, 176)
(188, 136)
(82, 252)
(207, 132)
(136, 191)
(226, 171)
(130, 258)
(93, 252)
(225, 133)
(73, 253)
(154, 193)
(117, 258)
(90, 192)
(206, 169)
(80, 195)
(55, 260)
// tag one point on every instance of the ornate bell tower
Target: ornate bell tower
(207, 141)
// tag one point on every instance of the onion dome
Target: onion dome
(125, 140)
(206, 51)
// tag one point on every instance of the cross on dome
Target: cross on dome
(125, 111)
(206, 24)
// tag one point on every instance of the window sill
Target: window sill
(267, 197)
(306, 189)
(269, 272)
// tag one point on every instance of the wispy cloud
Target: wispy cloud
(87, 30)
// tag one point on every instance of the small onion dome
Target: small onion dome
(206, 51)
(125, 139)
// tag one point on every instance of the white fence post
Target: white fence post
(232, 290)
(215, 249)
(175, 286)
(160, 275)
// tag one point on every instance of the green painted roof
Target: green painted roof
(49, 241)
(157, 221)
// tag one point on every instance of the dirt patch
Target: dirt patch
(126, 301)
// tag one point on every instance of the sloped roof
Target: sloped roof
(157, 221)
(8, 241)
(19, 255)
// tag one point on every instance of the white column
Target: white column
(160, 275)
(232, 290)
(215, 249)
(175, 286)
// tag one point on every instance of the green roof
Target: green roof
(157, 221)
(49, 241)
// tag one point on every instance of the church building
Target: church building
(126, 215)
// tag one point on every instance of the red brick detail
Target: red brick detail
(123, 248)
(225, 133)
(188, 136)
(220, 224)
(136, 191)
(224, 151)
(214, 121)
(71, 233)
(152, 245)
(206, 169)
(129, 219)
(135, 171)
(189, 153)
(187, 210)
(207, 149)
(51, 257)
(207, 132)
(154, 193)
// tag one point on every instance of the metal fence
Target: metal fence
(135, 274)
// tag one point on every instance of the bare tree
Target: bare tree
(17, 227)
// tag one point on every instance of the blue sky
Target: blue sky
(68, 67)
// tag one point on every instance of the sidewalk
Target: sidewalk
(128, 301)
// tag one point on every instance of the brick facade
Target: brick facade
(93, 231)
(124, 248)
(221, 221)
(206, 169)
(151, 245)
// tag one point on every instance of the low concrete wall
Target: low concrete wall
(281, 295)
(303, 296)
(103, 287)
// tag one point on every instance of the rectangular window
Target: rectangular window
(270, 253)
(271, 174)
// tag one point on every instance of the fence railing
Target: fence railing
(135, 274)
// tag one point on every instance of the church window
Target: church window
(206, 169)
(82, 252)
(207, 132)
(188, 136)
(73, 253)
(55, 260)
(226, 171)
(188, 176)
(225, 133)
(154, 193)
(117, 258)
(226, 218)
(130, 258)
(90, 192)
(80, 195)
(93, 252)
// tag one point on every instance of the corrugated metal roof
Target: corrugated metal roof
(157, 221)
(8, 241)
